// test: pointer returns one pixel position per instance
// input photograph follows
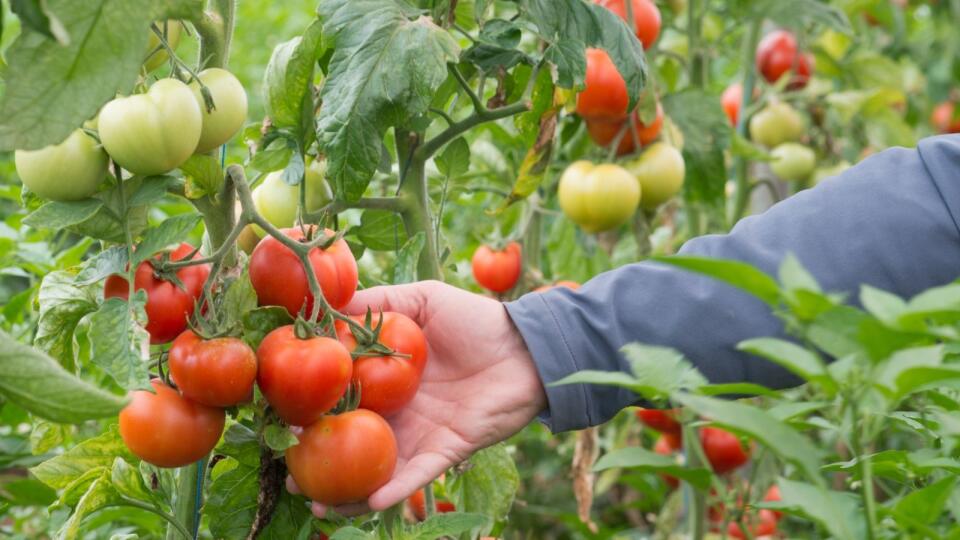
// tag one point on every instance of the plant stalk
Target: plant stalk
(742, 189)
(415, 198)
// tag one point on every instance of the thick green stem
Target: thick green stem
(697, 499)
(415, 200)
(185, 502)
(866, 472)
(742, 189)
(697, 62)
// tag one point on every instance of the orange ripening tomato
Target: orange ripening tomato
(604, 95)
(777, 54)
(603, 132)
(167, 429)
(646, 18)
(218, 372)
(497, 271)
(418, 505)
(664, 421)
(343, 458)
(573, 285)
(168, 306)
(281, 280)
(388, 383)
(943, 118)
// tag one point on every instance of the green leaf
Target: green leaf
(455, 158)
(487, 486)
(37, 383)
(96, 452)
(794, 276)
(444, 525)
(204, 176)
(759, 425)
(127, 480)
(171, 231)
(231, 501)
(926, 504)
(34, 15)
(381, 230)
(257, 323)
(735, 273)
(835, 511)
(405, 268)
(916, 369)
(62, 305)
(706, 133)
(883, 305)
(660, 371)
(239, 299)
(279, 438)
(384, 70)
(106, 263)
(569, 26)
(58, 87)
(742, 147)
(496, 47)
(45, 436)
(287, 79)
(119, 342)
(644, 460)
(241, 443)
(151, 190)
(352, 533)
(273, 158)
(798, 12)
(58, 215)
(795, 358)
(101, 493)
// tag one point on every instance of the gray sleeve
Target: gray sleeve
(889, 222)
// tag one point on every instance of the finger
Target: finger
(406, 299)
(292, 486)
(416, 473)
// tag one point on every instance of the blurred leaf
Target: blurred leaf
(735, 273)
(34, 15)
(795, 358)
(798, 12)
(927, 504)
(835, 511)
(45, 436)
(706, 133)
(644, 460)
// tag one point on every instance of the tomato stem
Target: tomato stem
(742, 188)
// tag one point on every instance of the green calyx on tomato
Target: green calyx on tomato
(793, 161)
(660, 169)
(598, 197)
(229, 111)
(167, 429)
(497, 270)
(152, 133)
(69, 171)
(776, 124)
(278, 201)
(156, 54)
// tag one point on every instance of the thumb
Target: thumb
(409, 299)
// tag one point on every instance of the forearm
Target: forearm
(886, 222)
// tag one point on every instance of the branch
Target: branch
(481, 116)
(477, 103)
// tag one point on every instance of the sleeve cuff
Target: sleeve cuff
(567, 405)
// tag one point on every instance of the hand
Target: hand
(480, 385)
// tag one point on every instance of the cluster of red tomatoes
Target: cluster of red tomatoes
(303, 376)
(725, 453)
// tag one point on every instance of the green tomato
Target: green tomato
(230, 108)
(152, 133)
(155, 55)
(598, 197)
(68, 171)
(660, 170)
(776, 124)
(793, 161)
(278, 201)
(823, 173)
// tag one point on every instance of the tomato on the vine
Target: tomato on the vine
(152, 133)
(604, 132)
(280, 279)
(230, 108)
(497, 270)
(418, 505)
(777, 54)
(944, 119)
(776, 124)
(156, 55)
(278, 201)
(731, 99)
(388, 383)
(219, 372)
(69, 171)
(302, 378)
(660, 169)
(793, 161)
(723, 449)
(598, 197)
(167, 429)
(667, 445)
(604, 95)
(664, 421)
(343, 458)
(646, 18)
(168, 306)
(763, 523)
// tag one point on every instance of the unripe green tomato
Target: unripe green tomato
(712, 28)
(660, 170)
(793, 161)
(155, 55)
(68, 171)
(152, 133)
(598, 197)
(230, 112)
(776, 124)
(277, 201)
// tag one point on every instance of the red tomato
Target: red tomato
(219, 372)
(773, 494)
(568, 284)
(605, 93)
(762, 524)
(667, 444)
(302, 378)
(664, 421)
(777, 54)
(418, 505)
(167, 429)
(168, 306)
(497, 271)
(943, 119)
(344, 458)
(646, 18)
(280, 279)
(723, 449)
(388, 383)
(603, 132)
